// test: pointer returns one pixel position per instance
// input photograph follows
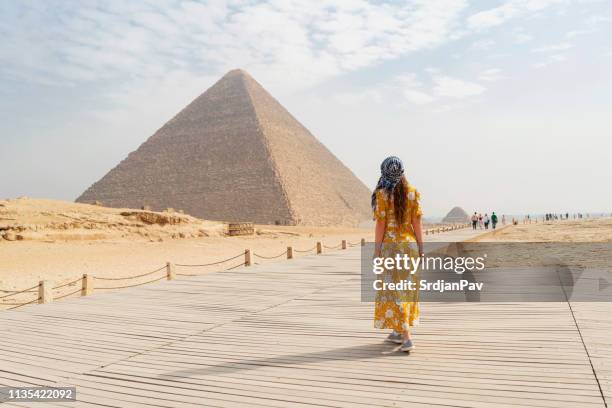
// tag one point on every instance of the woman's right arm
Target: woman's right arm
(380, 217)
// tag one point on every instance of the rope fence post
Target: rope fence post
(319, 248)
(289, 252)
(45, 293)
(362, 241)
(344, 244)
(170, 271)
(247, 257)
(87, 285)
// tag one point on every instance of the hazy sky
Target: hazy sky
(492, 105)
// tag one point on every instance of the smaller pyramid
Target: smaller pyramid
(456, 215)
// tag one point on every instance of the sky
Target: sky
(492, 105)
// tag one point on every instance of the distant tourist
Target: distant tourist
(503, 219)
(480, 221)
(397, 212)
(474, 220)
(486, 220)
(493, 219)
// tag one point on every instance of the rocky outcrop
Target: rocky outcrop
(51, 220)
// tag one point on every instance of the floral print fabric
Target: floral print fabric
(397, 310)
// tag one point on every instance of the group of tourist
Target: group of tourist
(482, 222)
(553, 216)
(527, 219)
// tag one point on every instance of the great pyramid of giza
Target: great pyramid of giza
(456, 215)
(236, 154)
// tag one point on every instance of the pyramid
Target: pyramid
(236, 154)
(456, 215)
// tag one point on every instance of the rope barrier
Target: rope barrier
(236, 266)
(18, 292)
(67, 284)
(269, 257)
(130, 277)
(68, 294)
(131, 286)
(213, 263)
(24, 304)
(84, 289)
(307, 250)
(12, 291)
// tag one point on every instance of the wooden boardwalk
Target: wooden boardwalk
(294, 333)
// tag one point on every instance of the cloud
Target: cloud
(288, 44)
(439, 88)
(491, 75)
(554, 47)
(483, 44)
(508, 10)
(446, 86)
(417, 97)
(576, 33)
(519, 36)
(412, 90)
(551, 59)
(359, 98)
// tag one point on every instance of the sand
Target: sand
(61, 241)
(579, 230)
(579, 244)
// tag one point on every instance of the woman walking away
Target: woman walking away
(397, 212)
(486, 220)
(474, 220)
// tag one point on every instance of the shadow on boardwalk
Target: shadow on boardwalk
(355, 353)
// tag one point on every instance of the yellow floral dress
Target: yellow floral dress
(393, 309)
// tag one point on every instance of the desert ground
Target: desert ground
(580, 243)
(60, 241)
(578, 230)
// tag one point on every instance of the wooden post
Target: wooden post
(87, 285)
(45, 291)
(362, 241)
(319, 248)
(247, 257)
(170, 272)
(344, 244)
(289, 252)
